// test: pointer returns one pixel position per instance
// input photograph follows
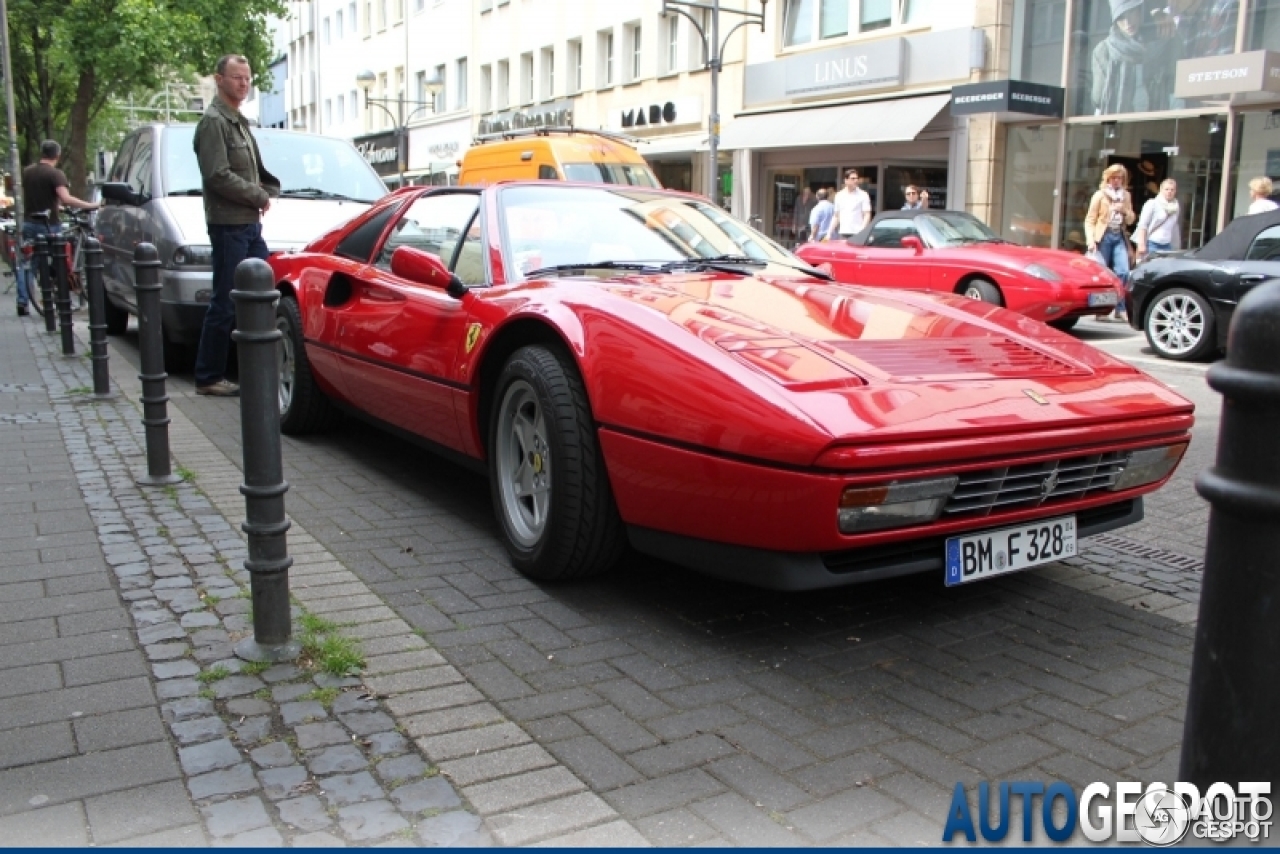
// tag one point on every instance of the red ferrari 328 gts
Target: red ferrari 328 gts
(954, 253)
(633, 367)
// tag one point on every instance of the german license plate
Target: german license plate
(1102, 298)
(990, 553)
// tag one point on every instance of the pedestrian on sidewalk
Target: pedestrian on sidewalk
(1158, 229)
(44, 192)
(853, 208)
(237, 191)
(1260, 190)
(1106, 227)
(820, 217)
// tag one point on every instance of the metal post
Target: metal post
(1235, 668)
(97, 318)
(15, 165)
(155, 399)
(58, 259)
(41, 261)
(713, 121)
(258, 342)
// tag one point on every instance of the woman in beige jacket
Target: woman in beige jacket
(1106, 227)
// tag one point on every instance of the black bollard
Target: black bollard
(155, 399)
(97, 318)
(58, 261)
(41, 261)
(1230, 730)
(258, 345)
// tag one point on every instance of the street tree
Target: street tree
(72, 57)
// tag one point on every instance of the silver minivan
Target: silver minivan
(153, 195)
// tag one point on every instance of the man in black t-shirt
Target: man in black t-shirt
(44, 188)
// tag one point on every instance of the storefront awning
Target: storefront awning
(896, 120)
(685, 143)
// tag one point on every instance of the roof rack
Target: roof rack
(547, 130)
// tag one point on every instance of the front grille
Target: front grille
(981, 493)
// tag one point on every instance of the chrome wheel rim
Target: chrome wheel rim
(523, 461)
(973, 293)
(1177, 324)
(288, 365)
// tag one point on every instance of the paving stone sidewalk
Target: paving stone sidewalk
(125, 717)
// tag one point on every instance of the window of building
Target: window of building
(383, 17)
(671, 52)
(635, 52)
(460, 78)
(355, 105)
(575, 65)
(337, 25)
(504, 84)
(438, 98)
(368, 18)
(1037, 41)
(324, 29)
(526, 78)
(805, 21)
(548, 61)
(340, 112)
(604, 42)
(420, 93)
(328, 111)
(1126, 64)
(351, 18)
(697, 50)
(384, 91)
(486, 88)
(1263, 26)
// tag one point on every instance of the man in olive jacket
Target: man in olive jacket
(237, 191)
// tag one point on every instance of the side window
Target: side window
(888, 233)
(469, 266)
(140, 165)
(120, 167)
(433, 223)
(548, 173)
(358, 245)
(1266, 246)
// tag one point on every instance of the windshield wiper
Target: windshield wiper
(191, 192)
(314, 193)
(643, 266)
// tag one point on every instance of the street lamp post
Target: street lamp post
(433, 85)
(713, 49)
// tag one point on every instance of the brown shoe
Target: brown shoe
(222, 388)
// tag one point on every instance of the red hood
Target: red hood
(1071, 266)
(879, 365)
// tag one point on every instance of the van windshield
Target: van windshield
(633, 174)
(303, 162)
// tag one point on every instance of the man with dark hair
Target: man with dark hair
(44, 193)
(237, 191)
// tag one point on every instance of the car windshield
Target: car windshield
(560, 226)
(307, 165)
(952, 228)
(632, 174)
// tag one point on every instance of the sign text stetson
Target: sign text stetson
(1256, 71)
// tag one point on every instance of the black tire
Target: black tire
(547, 477)
(1066, 324)
(304, 408)
(982, 289)
(117, 318)
(1180, 325)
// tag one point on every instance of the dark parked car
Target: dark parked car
(1184, 300)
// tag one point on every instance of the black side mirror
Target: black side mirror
(118, 191)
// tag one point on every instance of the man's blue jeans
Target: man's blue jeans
(25, 274)
(231, 244)
(1116, 253)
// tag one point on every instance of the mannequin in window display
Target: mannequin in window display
(1118, 62)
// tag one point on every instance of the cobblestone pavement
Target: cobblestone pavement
(704, 712)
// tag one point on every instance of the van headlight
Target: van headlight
(893, 505)
(1148, 466)
(193, 256)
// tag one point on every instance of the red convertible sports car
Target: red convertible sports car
(955, 253)
(633, 367)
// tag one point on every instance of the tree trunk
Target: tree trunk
(78, 134)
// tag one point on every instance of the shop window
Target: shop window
(1037, 41)
(1030, 161)
(1124, 59)
(1263, 25)
(1257, 153)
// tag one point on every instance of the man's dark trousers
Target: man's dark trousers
(231, 245)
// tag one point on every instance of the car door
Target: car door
(1261, 263)
(111, 226)
(401, 339)
(886, 262)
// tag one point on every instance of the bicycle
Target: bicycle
(79, 227)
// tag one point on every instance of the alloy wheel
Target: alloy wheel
(288, 365)
(1177, 323)
(523, 462)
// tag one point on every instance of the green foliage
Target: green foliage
(253, 668)
(323, 696)
(186, 474)
(213, 674)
